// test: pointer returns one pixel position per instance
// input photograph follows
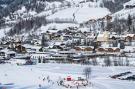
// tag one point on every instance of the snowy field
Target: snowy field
(81, 14)
(29, 77)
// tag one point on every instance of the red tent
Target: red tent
(69, 78)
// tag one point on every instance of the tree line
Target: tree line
(27, 25)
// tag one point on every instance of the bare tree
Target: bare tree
(94, 62)
(87, 72)
(127, 62)
(107, 61)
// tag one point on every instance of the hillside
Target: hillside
(24, 17)
(129, 8)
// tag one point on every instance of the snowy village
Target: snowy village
(67, 44)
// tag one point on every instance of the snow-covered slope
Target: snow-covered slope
(67, 11)
(129, 8)
(64, 11)
(80, 14)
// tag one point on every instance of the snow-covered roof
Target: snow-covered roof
(129, 48)
(66, 52)
(77, 59)
(84, 29)
(7, 51)
(131, 35)
(15, 61)
(31, 46)
(85, 47)
(37, 54)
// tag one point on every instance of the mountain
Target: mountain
(23, 17)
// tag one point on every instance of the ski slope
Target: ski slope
(82, 14)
